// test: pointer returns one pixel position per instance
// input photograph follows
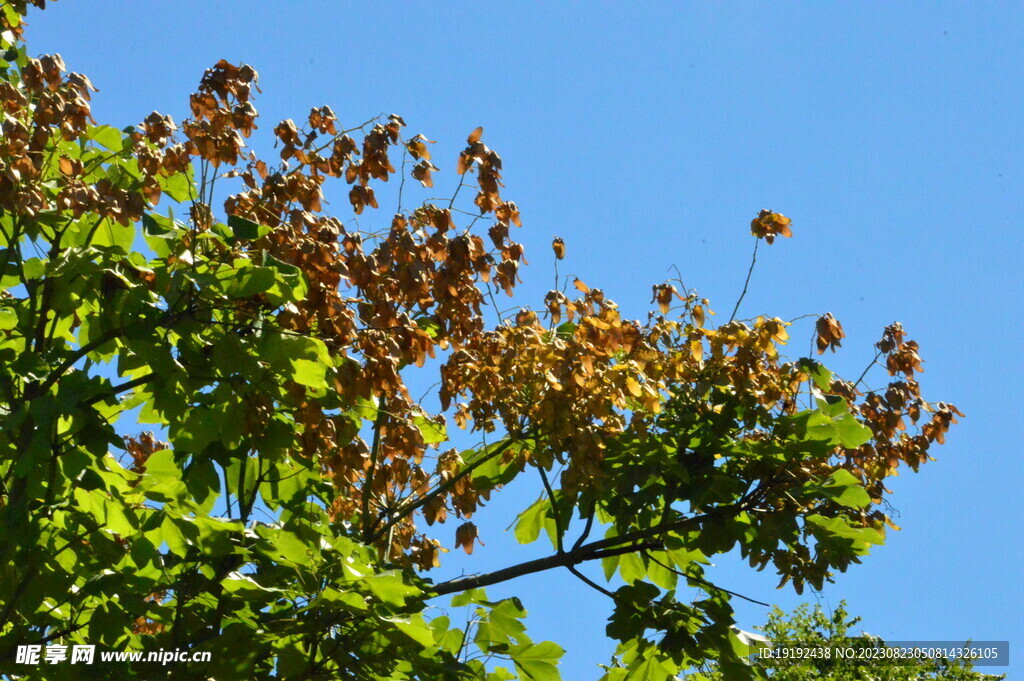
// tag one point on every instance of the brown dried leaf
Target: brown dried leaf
(558, 246)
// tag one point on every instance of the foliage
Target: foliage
(818, 629)
(285, 525)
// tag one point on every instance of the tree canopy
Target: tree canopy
(286, 509)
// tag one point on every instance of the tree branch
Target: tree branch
(591, 583)
(705, 582)
(586, 529)
(567, 559)
(405, 511)
(559, 530)
(868, 368)
(753, 261)
(639, 540)
(120, 388)
(378, 425)
(56, 374)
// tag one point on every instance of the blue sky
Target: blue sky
(648, 136)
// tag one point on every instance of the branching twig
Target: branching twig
(591, 583)
(406, 510)
(868, 368)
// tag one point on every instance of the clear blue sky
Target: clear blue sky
(648, 135)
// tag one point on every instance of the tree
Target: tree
(815, 628)
(282, 517)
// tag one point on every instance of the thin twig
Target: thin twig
(462, 180)
(753, 261)
(401, 185)
(705, 582)
(868, 368)
(405, 510)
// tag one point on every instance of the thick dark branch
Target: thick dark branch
(530, 567)
(631, 542)
(120, 388)
(61, 634)
(73, 359)
(378, 426)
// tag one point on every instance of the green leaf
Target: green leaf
(33, 268)
(530, 522)
(414, 627)
(304, 360)
(282, 546)
(469, 597)
(247, 280)
(844, 488)
(389, 587)
(107, 136)
(839, 527)
(852, 433)
(832, 406)
(162, 480)
(429, 324)
(538, 661)
(212, 537)
(659, 574)
(170, 533)
(160, 233)
(365, 408)
(243, 228)
(433, 432)
(291, 284)
(111, 233)
(178, 186)
(203, 483)
(818, 372)
(195, 430)
(246, 587)
(631, 568)
(501, 627)
(287, 483)
(609, 564)
(310, 373)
